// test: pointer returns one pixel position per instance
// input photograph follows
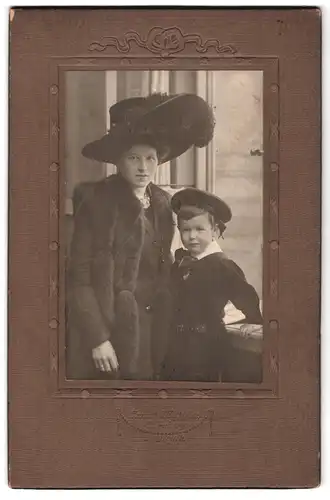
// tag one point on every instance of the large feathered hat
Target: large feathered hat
(170, 123)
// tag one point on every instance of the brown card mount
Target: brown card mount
(67, 67)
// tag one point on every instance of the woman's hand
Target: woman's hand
(105, 358)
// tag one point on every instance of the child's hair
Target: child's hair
(187, 212)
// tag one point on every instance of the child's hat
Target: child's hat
(203, 200)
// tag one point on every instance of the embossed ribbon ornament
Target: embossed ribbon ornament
(162, 41)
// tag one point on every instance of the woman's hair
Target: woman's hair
(187, 212)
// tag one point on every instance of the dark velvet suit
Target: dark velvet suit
(117, 278)
(198, 341)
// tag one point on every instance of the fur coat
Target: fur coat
(103, 269)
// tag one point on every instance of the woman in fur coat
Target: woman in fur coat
(118, 304)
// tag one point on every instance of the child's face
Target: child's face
(196, 233)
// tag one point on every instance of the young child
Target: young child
(203, 281)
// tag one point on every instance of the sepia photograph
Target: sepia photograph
(163, 200)
(164, 237)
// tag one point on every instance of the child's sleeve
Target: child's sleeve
(242, 294)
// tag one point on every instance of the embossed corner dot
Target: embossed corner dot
(274, 87)
(274, 167)
(53, 323)
(54, 89)
(273, 324)
(274, 245)
(163, 394)
(54, 167)
(84, 394)
(53, 245)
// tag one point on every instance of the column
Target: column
(111, 99)
(183, 168)
(200, 153)
(159, 83)
(84, 122)
(210, 149)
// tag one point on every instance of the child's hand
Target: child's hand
(105, 358)
(245, 329)
(248, 330)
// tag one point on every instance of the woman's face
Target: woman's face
(138, 165)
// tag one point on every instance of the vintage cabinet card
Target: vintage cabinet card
(164, 273)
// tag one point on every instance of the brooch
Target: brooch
(145, 201)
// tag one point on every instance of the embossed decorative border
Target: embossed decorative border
(61, 387)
